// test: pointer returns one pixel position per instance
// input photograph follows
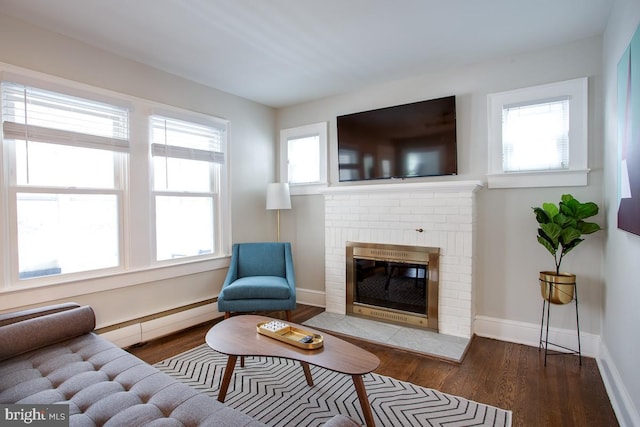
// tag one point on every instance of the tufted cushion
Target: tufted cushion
(257, 287)
(105, 385)
(341, 421)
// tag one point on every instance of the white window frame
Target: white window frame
(10, 188)
(576, 173)
(218, 195)
(316, 129)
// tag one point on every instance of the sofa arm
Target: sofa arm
(28, 330)
(18, 316)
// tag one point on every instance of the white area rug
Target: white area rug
(275, 392)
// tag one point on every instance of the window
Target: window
(535, 136)
(538, 136)
(188, 165)
(303, 152)
(97, 186)
(66, 160)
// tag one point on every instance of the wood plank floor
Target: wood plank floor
(506, 375)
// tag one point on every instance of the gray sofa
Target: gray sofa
(51, 356)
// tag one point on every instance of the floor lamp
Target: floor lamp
(278, 198)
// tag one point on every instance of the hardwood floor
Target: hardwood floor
(506, 375)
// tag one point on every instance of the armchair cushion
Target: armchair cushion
(258, 287)
(261, 259)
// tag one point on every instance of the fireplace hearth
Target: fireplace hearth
(396, 283)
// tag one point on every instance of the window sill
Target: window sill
(67, 288)
(306, 189)
(565, 178)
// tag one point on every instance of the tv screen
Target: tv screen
(404, 141)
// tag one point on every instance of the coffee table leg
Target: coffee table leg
(307, 373)
(364, 400)
(226, 379)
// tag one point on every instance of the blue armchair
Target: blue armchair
(260, 278)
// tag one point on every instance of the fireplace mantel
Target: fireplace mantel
(398, 185)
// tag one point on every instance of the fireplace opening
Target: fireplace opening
(392, 285)
(395, 283)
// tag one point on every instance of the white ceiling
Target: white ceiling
(283, 52)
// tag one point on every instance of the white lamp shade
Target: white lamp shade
(278, 196)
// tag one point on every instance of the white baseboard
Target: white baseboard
(156, 327)
(529, 334)
(125, 336)
(500, 329)
(626, 412)
(175, 322)
(147, 329)
(310, 297)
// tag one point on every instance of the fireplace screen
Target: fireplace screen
(392, 285)
(393, 282)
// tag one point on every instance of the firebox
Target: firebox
(395, 283)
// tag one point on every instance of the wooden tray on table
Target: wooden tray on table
(290, 334)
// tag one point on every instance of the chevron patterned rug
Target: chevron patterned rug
(274, 391)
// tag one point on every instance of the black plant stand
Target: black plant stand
(544, 324)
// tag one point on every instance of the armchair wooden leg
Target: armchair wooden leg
(289, 316)
(227, 314)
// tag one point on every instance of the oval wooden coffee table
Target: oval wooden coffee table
(238, 337)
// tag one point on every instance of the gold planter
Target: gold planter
(557, 288)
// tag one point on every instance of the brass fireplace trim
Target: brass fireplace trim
(396, 253)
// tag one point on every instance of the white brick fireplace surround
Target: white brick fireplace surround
(394, 214)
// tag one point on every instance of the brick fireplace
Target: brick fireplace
(428, 214)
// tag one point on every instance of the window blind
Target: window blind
(185, 140)
(34, 114)
(536, 135)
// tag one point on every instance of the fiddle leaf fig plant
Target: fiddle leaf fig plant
(562, 226)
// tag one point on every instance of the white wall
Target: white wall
(252, 160)
(509, 256)
(621, 318)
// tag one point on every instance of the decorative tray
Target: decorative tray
(290, 335)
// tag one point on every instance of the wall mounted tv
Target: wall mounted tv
(404, 141)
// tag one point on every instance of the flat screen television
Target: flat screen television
(404, 141)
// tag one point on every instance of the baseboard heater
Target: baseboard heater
(155, 325)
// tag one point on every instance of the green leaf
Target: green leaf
(541, 216)
(564, 221)
(547, 245)
(566, 249)
(588, 227)
(552, 231)
(569, 205)
(586, 210)
(550, 209)
(568, 236)
(553, 242)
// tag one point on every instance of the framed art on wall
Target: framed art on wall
(629, 137)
